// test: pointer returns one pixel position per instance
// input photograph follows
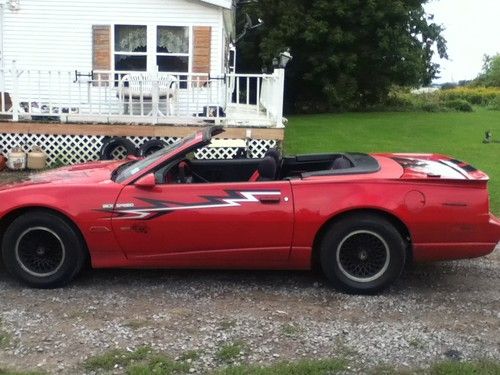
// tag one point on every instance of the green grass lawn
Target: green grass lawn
(456, 134)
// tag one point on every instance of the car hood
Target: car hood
(93, 172)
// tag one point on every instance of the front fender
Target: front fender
(82, 205)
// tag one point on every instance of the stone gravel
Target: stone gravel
(448, 310)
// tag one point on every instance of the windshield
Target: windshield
(127, 170)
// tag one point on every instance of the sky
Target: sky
(472, 30)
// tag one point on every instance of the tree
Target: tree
(347, 53)
(490, 76)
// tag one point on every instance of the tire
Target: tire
(362, 254)
(111, 144)
(151, 146)
(43, 250)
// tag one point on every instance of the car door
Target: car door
(247, 224)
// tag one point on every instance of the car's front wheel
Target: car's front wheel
(43, 250)
(362, 254)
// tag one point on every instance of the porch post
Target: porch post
(155, 95)
(15, 92)
(279, 94)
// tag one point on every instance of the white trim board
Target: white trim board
(228, 4)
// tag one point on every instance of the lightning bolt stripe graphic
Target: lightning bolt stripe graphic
(159, 208)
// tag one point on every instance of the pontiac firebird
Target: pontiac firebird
(359, 218)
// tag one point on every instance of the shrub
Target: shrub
(459, 105)
(431, 107)
(457, 99)
(482, 96)
(495, 104)
(399, 100)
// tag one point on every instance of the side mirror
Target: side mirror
(146, 182)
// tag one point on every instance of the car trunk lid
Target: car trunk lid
(436, 166)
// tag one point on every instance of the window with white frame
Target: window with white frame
(172, 49)
(131, 47)
(135, 51)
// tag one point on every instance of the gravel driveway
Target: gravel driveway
(435, 311)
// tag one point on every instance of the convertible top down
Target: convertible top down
(357, 217)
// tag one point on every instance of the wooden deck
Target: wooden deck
(134, 130)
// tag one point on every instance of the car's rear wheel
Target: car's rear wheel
(362, 254)
(43, 250)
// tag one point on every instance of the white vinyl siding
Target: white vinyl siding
(57, 34)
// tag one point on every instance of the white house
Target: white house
(123, 61)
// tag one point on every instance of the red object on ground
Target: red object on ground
(209, 215)
(3, 162)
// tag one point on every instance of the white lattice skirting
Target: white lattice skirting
(74, 149)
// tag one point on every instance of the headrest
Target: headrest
(267, 169)
(274, 153)
(341, 163)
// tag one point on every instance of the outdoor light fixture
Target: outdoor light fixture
(14, 4)
(282, 60)
(285, 58)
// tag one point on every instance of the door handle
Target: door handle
(270, 200)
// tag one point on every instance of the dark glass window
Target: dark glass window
(175, 64)
(130, 63)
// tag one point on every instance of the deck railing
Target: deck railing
(142, 97)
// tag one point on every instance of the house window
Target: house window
(171, 51)
(131, 47)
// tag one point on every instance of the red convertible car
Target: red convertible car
(357, 217)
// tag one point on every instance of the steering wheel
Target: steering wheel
(185, 174)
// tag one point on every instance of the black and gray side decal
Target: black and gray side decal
(157, 208)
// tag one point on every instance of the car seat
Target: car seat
(266, 171)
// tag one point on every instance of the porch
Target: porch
(163, 98)
(67, 144)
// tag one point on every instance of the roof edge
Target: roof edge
(228, 4)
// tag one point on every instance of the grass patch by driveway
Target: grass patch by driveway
(139, 362)
(305, 367)
(451, 133)
(144, 362)
(336, 366)
(230, 352)
(466, 368)
(481, 367)
(9, 372)
(5, 338)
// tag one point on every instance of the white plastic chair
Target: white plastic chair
(140, 87)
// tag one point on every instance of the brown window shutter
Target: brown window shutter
(6, 100)
(202, 43)
(101, 52)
